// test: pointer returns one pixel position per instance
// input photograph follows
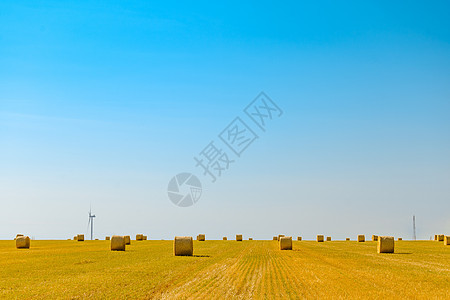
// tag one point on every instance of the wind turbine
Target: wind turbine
(91, 222)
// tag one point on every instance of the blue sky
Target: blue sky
(101, 103)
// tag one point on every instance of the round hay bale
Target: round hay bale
(107, 238)
(440, 238)
(286, 243)
(127, 240)
(279, 236)
(225, 238)
(299, 238)
(23, 242)
(275, 238)
(374, 238)
(139, 237)
(328, 238)
(385, 244)
(239, 237)
(361, 238)
(75, 238)
(183, 246)
(400, 239)
(80, 237)
(319, 238)
(250, 239)
(17, 235)
(347, 239)
(118, 243)
(447, 240)
(201, 237)
(145, 237)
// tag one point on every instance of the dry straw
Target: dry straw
(385, 244)
(447, 240)
(107, 238)
(435, 237)
(118, 243)
(280, 236)
(286, 243)
(361, 238)
(145, 238)
(320, 238)
(347, 239)
(80, 237)
(250, 239)
(400, 239)
(275, 238)
(299, 238)
(183, 246)
(201, 237)
(17, 235)
(374, 238)
(139, 237)
(440, 237)
(23, 242)
(328, 238)
(239, 237)
(224, 238)
(127, 240)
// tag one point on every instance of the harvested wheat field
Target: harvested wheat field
(258, 269)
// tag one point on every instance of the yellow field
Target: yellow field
(225, 269)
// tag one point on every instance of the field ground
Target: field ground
(225, 269)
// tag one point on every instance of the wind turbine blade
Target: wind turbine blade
(89, 222)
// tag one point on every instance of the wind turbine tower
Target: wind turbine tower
(91, 222)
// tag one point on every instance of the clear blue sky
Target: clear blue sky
(101, 103)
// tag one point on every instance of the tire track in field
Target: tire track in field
(244, 280)
(264, 272)
(259, 265)
(259, 273)
(238, 278)
(242, 286)
(271, 276)
(298, 264)
(195, 287)
(282, 283)
(230, 285)
(292, 267)
(276, 281)
(286, 274)
(279, 290)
